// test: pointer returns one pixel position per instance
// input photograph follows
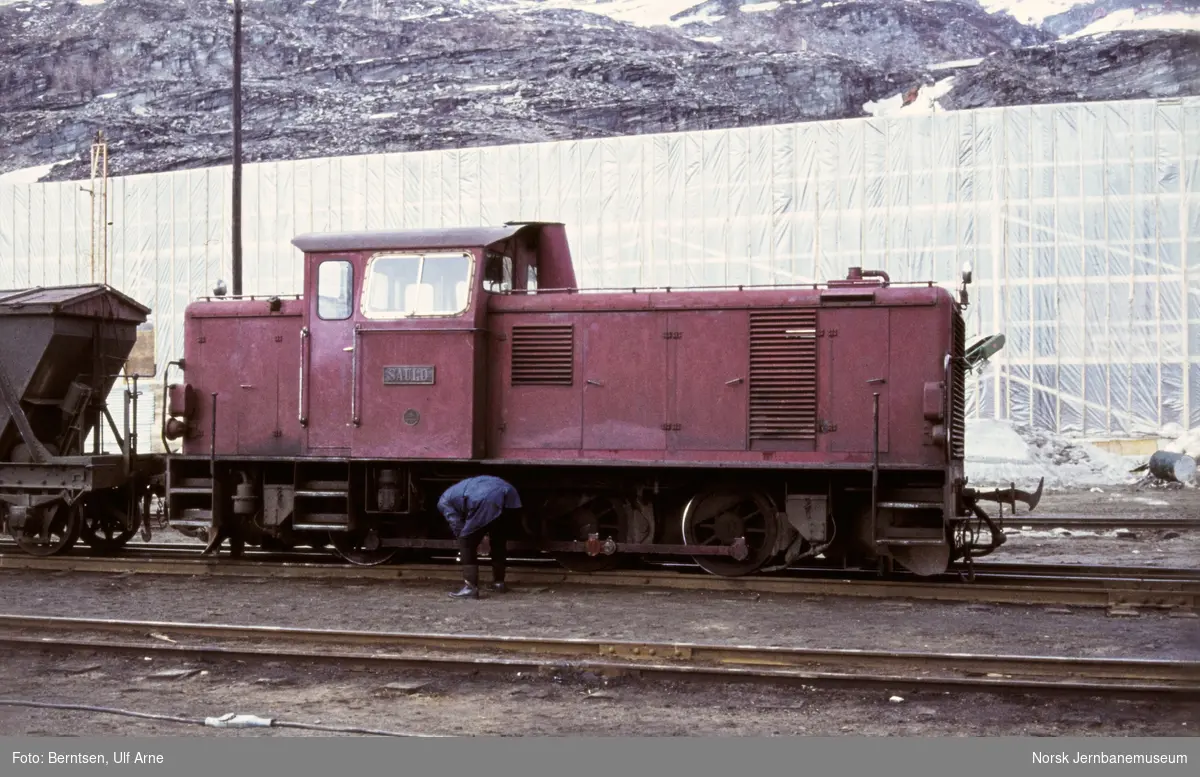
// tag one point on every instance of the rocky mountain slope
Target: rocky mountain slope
(329, 77)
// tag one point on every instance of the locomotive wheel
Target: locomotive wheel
(102, 525)
(355, 547)
(604, 516)
(720, 516)
(64, 531)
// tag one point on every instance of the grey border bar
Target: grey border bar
(265, 753)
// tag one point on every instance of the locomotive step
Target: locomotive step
(178, 484)
(192, 523)
(191, 490)
(323, 494)
(321, 521)
(911, 505)
(910, 542)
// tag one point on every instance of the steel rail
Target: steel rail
(705, 661)
(1178, 593)
(1098, 522)
(982, 569)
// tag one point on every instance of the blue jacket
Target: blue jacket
(472, 504)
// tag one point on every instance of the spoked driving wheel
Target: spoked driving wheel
(720, 516)
(607, 517)
(58, 533)
(104, 521)
(361, 548)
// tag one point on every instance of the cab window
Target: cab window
(335, 287)
(434, 284)
(498, 273)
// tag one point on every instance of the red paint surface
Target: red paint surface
(696, 380)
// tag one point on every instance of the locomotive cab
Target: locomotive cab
(394, 339)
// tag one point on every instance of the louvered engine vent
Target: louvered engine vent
(958, 390)
(783, 375)
(543, 355)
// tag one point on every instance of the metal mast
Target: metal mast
(237, 147)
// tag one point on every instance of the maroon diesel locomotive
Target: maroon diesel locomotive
(744, 428)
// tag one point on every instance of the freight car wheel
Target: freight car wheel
(102, 525)
(359, 548)
(64, 531)
(720, 516)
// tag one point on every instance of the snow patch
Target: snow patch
(956, 64)
(1131, 19)
(484, 87)
(998, 453)
(1032, 12)
(759, 7)
(1187, 443)
(925, 101)
(641, 13)
(704, 16)
(708, 39)
(30, 174)
(379, 116)
(992, 440)
(106, 96)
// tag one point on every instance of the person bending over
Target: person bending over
(475, 507)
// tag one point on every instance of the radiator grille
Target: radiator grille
(783, 375)
(958, 390)
(543, 355)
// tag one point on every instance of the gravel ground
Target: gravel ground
(1147, 547)
(585, 611)
(562, 705)
(536, 705)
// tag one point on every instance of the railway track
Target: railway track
(1099, 523)
(687, 661)
(1117, 588)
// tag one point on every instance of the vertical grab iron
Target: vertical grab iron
(875, 470)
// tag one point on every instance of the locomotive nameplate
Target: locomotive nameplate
(408, 375)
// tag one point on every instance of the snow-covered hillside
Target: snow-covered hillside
(329, 77)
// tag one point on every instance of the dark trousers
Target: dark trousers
(498, 532)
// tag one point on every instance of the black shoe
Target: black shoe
(468, 591)
(499, 587)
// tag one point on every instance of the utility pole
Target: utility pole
(98, 194)
(237, 148)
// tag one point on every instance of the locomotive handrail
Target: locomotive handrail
(720, 287)
(354, 419)
(247, 297)
(304, 335)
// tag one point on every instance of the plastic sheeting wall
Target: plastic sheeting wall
(1082, 223)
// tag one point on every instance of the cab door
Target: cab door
(329, 357)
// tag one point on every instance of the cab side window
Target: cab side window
(335, 290)
(498, 273)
